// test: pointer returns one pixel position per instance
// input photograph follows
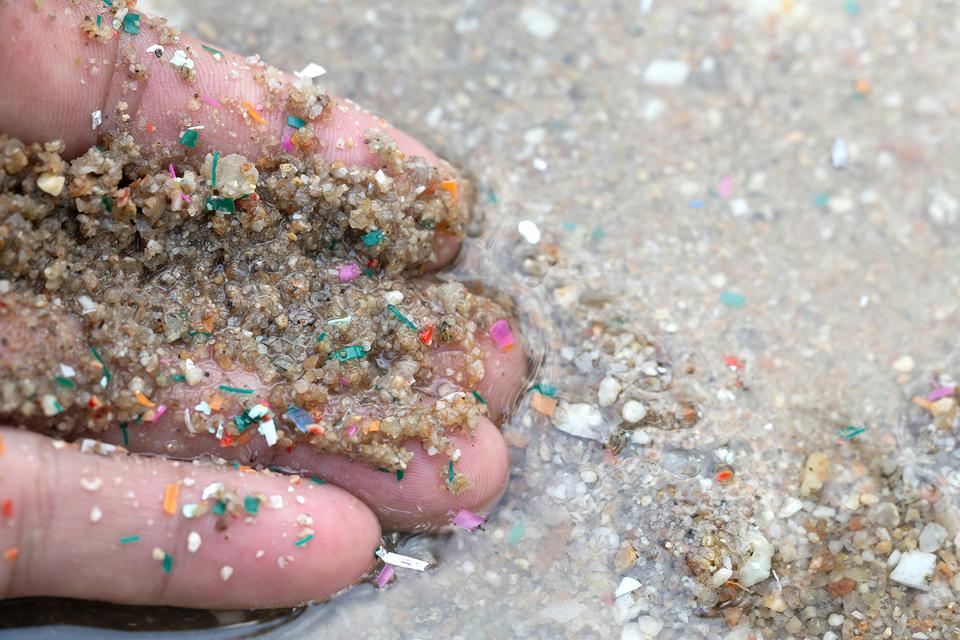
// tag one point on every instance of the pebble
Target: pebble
(589, 476)
(627, 607)
(633, 411)
(814, 473)
(51, 183)
(915, 569)
(835, 620)
(903, 364)
(581, 420)
(538, 22)
(563, 612)
(666, 72)
(943, 208)
(886, 515)
(721, 576)
(756, 568)
(649, 626)
(932, 537)
(790, 506)
(609, 391)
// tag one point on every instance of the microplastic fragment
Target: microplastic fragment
(402, 317)
(401, 561)
(225, 572)
(239, 390)
(529, 230)
(502, 335)
(942, 392)
(211, 490)
(515, 533)
(373, 238)
(193, 541)
(155, 49)
(349, 272)
(129, 539)
(131, 23)
(170, 496)
(311, 71)
(218, 203)
(733, 299)
(386, 573)
(96, 514)
(167, 563)
(304, 540)
(468, 520)
(203, 407)
(627, 585)
(295, 122)
(217, 55)
(268, 429)
(838, 153)
(96, 119)
(181, 59)
(348, 353)
(213, 169)
(189, 138)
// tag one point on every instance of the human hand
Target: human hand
(78, 525)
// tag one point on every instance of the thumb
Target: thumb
(82, 525)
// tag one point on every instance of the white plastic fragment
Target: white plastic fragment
(269, 431)
(838, 153)
(665, 72)
(193, 541)
(915, 569)
(96, 118)
(311, 71)
(203, 407)
(67, 371)
(181, 59)
(156, 49)
(538, 22)
(257, 411)
(609, 391)
(529, 230)
(581, 420)
(627, 585)
(88, 445)
(398, 560)
(757, 567)
(211, 490)
(275, 502)
(225, 572)
(95, 514)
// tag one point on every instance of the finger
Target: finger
(86, 526)
(52, 85)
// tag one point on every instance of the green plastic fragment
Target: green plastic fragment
(220, 507)
(515, 533)
(251, 504)
(229, 389)
(213, 169)
(99, 20)
(126, 436)
(304, 540)
(217, 203)
(348, 353)
(322, 337)
(318, 480)
(373, 238)
(733, 299)
(369, 272)
(107, 202)
(167, 563)
(96, 354)
(178, 377)
(820, 200)
(399, 475)
(242, 421)
(205, 334)
(544, 389)
(402, 317)
(450, 472)
(480, 398)
(108, 3)
(850, 432)
(212, 50)
(189, 138)
(65, 382)
(131, 23)
(295, 122)
(129, 539)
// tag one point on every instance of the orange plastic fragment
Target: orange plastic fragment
(862, 86)
(543, 404)
(1, 445)
(208, 322)
(373, 426)
(253, 112)
(10, 554)
(725, 476)
(426, 336)
(150, 127)
(315, 429)
(735, 362)
(7, 508)
(450, 186)
(216, 402)
(922, 402)
(142, 399)
(170, 497)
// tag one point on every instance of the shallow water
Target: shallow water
(664, 203)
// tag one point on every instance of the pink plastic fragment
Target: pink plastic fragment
(349, 272)
(351, 430)
(173, 174)
(502, 335)
(468, 520)
(725, 188)
(185, 197)
(159, 411)
(942, 392)
(384, 576)
(213, 102)
(287, 143)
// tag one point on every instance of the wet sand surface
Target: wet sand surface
(736, 268)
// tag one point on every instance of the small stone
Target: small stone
(538, 22)
(564, 611)
(942, 208)
(625, 558)
(790, 506)
(649, 626)
(51, 183)
(886, 515)
(903, 364)
(666, 72)
(756, 568)
(814, 473)
(739, 207)
(225, 572)
(835, 620)
(192, 374)
(581, 420)
(720, 576)
(51, 406)
(915, 569)
(794, 625)
(589, 476)
(236, 176)
(839, 153)
(609, 391)
(932, 537)
(627, 607)
(633, 411)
